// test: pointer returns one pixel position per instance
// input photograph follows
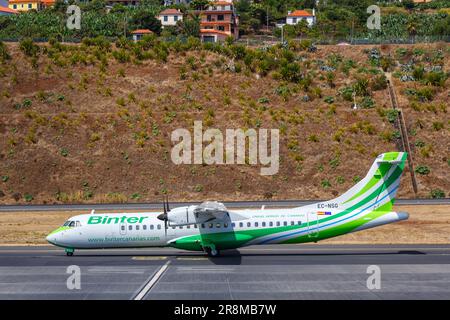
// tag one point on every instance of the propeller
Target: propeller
(163, 216)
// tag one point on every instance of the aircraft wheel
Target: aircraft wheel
(214, 253)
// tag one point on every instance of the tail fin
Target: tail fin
(378, 188)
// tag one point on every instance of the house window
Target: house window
(220, 17)
(29, 6)
(221, 28)
(175, 18)
(208, 17)
(15, 6)
(294, 20)
(166, 18)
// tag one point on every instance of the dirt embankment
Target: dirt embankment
(75, 130)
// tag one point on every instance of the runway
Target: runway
(259, 272)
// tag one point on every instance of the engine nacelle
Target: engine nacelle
(181, 216)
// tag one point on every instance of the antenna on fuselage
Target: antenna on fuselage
(92, 211)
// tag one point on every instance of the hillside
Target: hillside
(92, 123)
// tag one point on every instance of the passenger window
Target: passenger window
(233, 225)
(217, 225)
(181, 227)
(278, 223)
(285, 223)
(211, 225)
(256, 224)
(137, 227)
(292, 223)
(249, 224)
(159, 227)
(130, 227)
(122, 228)
(225, 225)
(263, 224)
(173, 228)
(188, 226)
(241, 225)
(151, 227)
(270, 224)
(144, 227)
(203, 225)
(195, 226)
(299, 222)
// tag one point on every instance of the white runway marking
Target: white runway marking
(141, 294)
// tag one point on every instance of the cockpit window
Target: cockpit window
(72, 224)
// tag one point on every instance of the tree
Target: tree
(189, 27)
(199, 4)
(146, 20)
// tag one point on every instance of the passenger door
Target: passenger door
(312, 220)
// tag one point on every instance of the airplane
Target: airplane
(211, 227)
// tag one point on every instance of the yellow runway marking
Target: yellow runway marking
(149, 258)
(192, 258)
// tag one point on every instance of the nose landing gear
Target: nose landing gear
(69, 252)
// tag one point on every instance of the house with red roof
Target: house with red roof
(170, 17)
(219, 21)
(294, 17)
(138, 34)
(5, 11)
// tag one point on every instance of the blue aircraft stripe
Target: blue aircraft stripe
(298, 232)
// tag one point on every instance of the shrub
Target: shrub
(4, 54)
(28, 47)
(379, 83)
(325, 183)
(437, 194)
(423, 170)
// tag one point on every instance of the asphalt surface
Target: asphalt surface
(259, 272)
(157, 206)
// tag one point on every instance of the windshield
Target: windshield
(72, 224)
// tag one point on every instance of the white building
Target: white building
(298, 15)
(170, 17)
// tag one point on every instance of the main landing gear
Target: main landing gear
(212, 251)
(69, 252)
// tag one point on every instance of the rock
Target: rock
(2, 194)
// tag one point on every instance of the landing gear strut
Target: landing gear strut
(69, 252)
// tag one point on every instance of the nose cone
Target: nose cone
(51, 238)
